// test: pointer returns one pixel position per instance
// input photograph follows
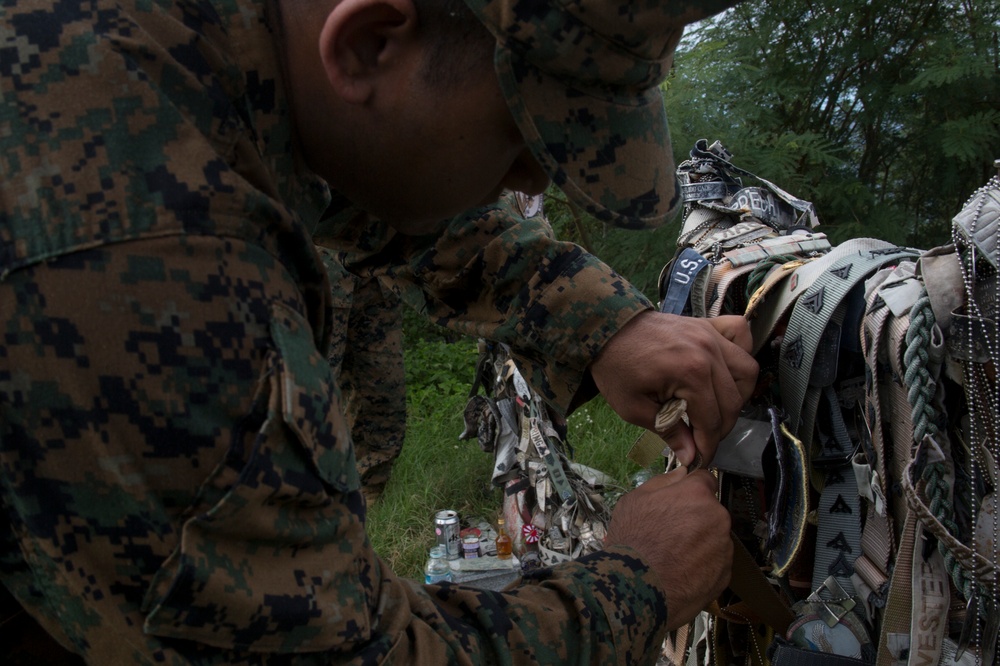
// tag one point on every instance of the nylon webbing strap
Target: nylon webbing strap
(675, 644)
(722, 279)
(894, 640)
(743, 260)
(680, 279)
(775, 276)
(930, 601)
(838, 534)
(900, 450)
(877, 542)
(824, 363)
(749, 582)
(774, 308)
(797, 244)
(813, 311)
(871, 585)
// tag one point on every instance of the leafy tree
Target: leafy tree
(885, 114)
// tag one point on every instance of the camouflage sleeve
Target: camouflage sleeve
(599, 609)
(366, 354)
(181, 487)
(498, 275)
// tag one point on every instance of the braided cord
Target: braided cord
(922, 386)
(760, 271)
(920, 394)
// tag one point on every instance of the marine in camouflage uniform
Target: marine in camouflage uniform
(178, 483)
(366, 354)
(366, 349)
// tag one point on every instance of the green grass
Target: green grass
(437, 471)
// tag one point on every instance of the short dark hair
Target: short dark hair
(458, 42)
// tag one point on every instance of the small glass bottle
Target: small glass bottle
(505, 546)
(437, 569)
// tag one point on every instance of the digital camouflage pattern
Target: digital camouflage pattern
(366, 354)
(494, 274)
(582, 81)
(176, 476)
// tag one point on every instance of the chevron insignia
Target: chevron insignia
(795, 352)
(843, 272)
(840, 543)
(814, 301)
(841, 567)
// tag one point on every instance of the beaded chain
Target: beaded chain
(989, 453)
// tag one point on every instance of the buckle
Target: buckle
(832, 611)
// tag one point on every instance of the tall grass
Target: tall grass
(438, 471)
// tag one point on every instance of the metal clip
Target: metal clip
(842, 601)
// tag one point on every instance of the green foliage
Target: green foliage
(436, 369)
(883, 114)
(967, 139)
(601, 440)
(436, 470)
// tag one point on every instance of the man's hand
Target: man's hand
(675, 522)
(657, 357)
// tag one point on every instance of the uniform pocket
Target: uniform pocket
(280, 560)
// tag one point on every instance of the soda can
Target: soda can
(446, 530)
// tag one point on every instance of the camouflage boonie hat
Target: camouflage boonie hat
(582, 79)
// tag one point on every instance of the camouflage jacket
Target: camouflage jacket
(177, 481)
(496, 275)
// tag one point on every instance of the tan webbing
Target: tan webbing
(675, 646)
(749, 582)
(877, 538)
(895, 636)
(931, 597)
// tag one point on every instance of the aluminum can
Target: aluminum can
(446, 530)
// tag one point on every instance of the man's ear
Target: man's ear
(361, 40)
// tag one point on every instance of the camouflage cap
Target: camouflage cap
(582, 80)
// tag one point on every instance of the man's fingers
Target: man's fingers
(701, 478)
(739, 364)
(681, 441)
(734, 328)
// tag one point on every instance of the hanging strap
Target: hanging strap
(680, 276)
(811, 313)
(758, 595)
(894, 640)
(877, 538)
(742, 261)
(838, 532)
(773, 310)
